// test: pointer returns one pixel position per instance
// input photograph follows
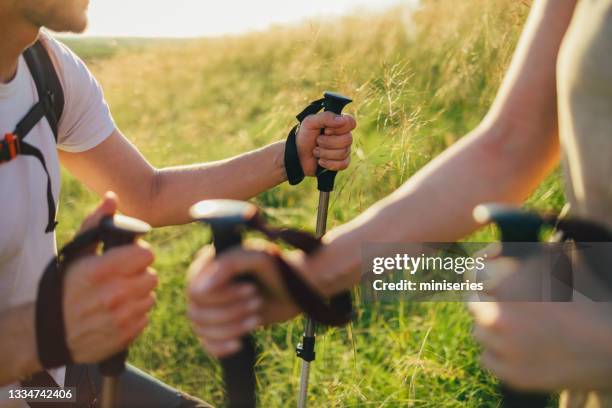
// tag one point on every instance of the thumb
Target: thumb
(108, 206)
(324, 120)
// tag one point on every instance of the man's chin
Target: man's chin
(75, 27)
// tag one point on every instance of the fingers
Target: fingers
(234, 293)
(222, 310)
(335, 165)
(122, 291)
(222, 270)
(489, 339)
(347, 128)
(125, 317)
(134, 330)
(486, 314)
(219, 326)
(335, 154)
(224, 340)
(122, 261)
(222, 348)
(108, 206)
(512, 374)
(226, 313)
(230, 331)
(322, 120)
(342, 141)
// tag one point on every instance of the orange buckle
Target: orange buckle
(11, 143)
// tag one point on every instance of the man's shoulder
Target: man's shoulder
(68, 65)
(86, 119)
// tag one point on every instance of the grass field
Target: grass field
(418, 83)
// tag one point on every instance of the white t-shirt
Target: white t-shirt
(25, 248)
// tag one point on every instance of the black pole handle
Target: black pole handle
(116, 234)
(333, 103)
(239, 368)
(515, 226)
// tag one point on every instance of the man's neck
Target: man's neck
(16, 35)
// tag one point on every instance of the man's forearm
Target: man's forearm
(18, 354)
(239, 178)
(163, 197)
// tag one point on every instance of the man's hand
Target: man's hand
(542, 346)
(107, 297)
(331, 150)
(221, 310)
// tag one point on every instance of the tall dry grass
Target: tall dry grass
(420, 81)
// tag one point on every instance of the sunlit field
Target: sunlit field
(419, 84)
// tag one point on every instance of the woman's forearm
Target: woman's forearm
(436, 204)
(503, 159)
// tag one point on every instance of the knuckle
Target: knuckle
(151, 279)
(212, 349)
(111, 300)
(229, 262)
(107, 302)
(195, 295)
(201, 316)
(205, 253)
(146, 254)
(239, 312)
(119, 297)
(127, 335)
(328, 116)
(496, 324)
(94, 269)
(118, 321)
(309, 121)
(234, 331)
(149, 303)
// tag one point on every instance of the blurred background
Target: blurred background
(195, 18)
(421, 75)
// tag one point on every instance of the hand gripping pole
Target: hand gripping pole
(116, 231)
(515, 226)
(228, 220)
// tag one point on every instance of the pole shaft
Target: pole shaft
(310, 329)
(322, 214)
(110, 387)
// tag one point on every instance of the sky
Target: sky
(196, 18)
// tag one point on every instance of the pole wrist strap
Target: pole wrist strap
(293, 167)
(336, 311)
(51, 342)
(50, 326)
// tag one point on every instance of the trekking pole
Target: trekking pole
(325, 184)
(228, 219)
(515, 226)
(117, 231)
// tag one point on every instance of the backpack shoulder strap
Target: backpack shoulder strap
(47, 82)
